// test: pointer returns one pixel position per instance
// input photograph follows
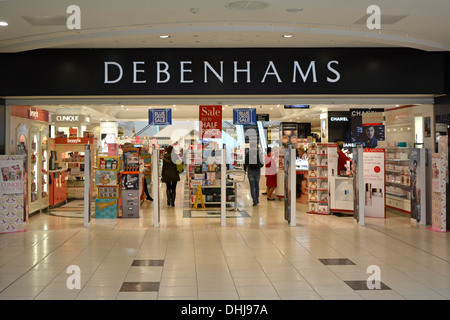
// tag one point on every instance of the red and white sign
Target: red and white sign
(113, 150)
(210, 118)
(374, 183)
(29, 112)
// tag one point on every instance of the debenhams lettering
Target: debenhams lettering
(164, 74)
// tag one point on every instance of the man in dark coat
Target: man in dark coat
(170, 175)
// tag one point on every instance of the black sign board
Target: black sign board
(221, 71)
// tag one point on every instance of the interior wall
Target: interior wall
(2, 126)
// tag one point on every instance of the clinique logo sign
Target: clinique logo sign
(72, 118)
(241, 71)
(67, 118)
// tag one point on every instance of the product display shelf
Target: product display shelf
(318, 186)
(132, 182)
(44, 171)
(38, 170)
(71, 158)
(398, 178)
(107, 183)
(204, 170)
(34, 169)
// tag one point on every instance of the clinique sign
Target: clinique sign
(238, 71)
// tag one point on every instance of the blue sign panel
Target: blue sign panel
(159, 116)
(244, 116)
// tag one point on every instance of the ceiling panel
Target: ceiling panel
(212, 24)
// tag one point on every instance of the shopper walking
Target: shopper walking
(252, 166)
(170, 175)
(271, 174)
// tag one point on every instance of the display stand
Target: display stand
(107, 184)
(30, 138)
(398, 179)
(87, 187)
(374, 183)
(440, 189)
(155, 178)
(418, 184)
(131, 183)
(318, 186)
(204, 170)
(12, 217)
(70, 156)
(358, 185)
(341, 185)
(290, 204)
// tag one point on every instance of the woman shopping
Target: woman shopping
(170, 175)
(271, 174)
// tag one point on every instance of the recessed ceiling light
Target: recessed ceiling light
(247, 5)
(294, 9)
(287, 35)
(164, 36)
(3, 23)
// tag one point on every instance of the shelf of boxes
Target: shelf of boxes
(318, 202)
(398, 178)
(107, 184)
(204, 170)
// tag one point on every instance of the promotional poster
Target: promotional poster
(439, 192)
(374, 183)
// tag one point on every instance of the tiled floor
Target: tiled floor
(254, 257)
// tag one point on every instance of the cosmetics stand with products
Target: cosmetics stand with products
(398, 192)
(318, 183)
(204, 171)
(12, 187)
(132, 179)
(341, 183)
(70, 159)
(107, 185)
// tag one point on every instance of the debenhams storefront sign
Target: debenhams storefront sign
(271, 71)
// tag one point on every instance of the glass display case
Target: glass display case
(44, 168)
(34, 169)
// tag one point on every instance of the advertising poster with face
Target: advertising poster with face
(360, 132)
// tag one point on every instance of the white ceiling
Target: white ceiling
(130, 112)
(212, 24)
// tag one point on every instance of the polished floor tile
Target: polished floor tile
(256, 256)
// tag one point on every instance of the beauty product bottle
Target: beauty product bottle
(368, 194)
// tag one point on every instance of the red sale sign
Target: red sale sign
(210, 118)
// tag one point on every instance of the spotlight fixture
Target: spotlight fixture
(3, 24)
(164, 36)
(287, 35)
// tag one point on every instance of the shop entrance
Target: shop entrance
(126, 150)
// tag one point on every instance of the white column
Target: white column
(155, 185)
(87, 185)
(223, 188)
(293, 184)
